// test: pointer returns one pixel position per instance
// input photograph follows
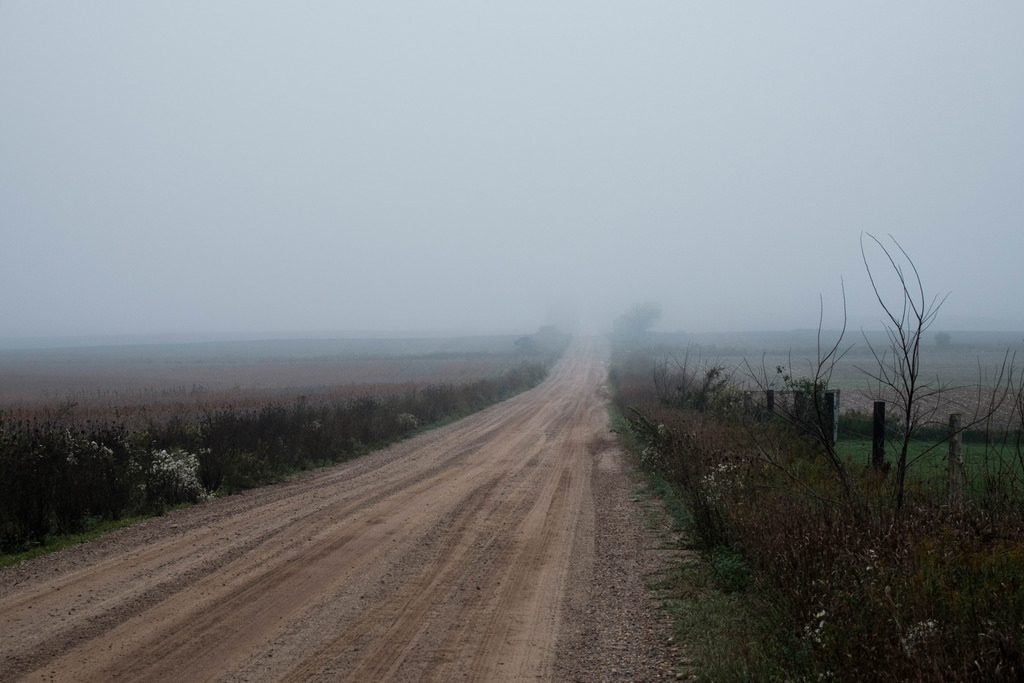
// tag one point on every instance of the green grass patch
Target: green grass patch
(54, 543)
(930, 460)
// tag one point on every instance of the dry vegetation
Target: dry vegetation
(92, 435)
(813, 571)
(903, 565)
(154, 381)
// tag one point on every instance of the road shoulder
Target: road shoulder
(613, 626)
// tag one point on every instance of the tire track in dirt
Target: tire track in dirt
(446, 555)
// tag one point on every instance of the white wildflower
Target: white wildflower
(173, 477)
(816, 632)
(921, 632)
(407, 421)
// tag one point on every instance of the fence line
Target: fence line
(794, 407)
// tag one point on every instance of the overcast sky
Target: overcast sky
(250, 167)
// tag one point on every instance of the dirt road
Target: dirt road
(455, 555)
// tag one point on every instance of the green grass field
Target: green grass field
(929, 460)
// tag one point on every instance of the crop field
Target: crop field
(962, 376)
(969, 358)
(128, 383)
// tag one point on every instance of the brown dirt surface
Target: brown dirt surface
(504, 547)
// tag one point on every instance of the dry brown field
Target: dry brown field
(962, 377)
(151, 381)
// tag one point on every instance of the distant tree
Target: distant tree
(943, 340)
(528, 345)
(634, 325)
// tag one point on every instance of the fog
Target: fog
(250, 168)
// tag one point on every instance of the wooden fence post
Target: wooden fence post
(878, 436)
(832, 408)
(956, 459)
(771, 403)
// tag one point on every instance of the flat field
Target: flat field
(150, 380)
(966, 370)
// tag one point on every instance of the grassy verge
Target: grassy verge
(715, 615)
(808, 569)
(52, 544)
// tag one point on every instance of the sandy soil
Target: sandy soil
(505, 547)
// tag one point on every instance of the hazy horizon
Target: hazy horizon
(233, 170)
